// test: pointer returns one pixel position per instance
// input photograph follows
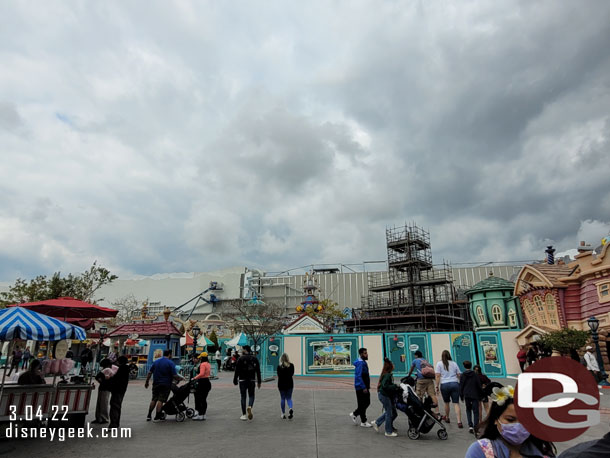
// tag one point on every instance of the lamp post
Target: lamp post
(195, 331)
(103, 332)
(594, 326)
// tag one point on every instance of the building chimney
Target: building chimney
(584, 247)
(550, 254)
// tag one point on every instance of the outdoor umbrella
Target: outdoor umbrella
(239, 340)
(20, 323)
(68, 308)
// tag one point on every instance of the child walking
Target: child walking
(285, 384)
(471, 393)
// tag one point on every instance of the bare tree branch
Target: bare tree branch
(257, 321)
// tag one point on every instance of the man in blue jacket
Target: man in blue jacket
(362, 383)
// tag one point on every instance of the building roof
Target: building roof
(491, 283)
(553, 271)
(160, 328)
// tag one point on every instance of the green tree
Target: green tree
(214, 338)
(565, 340)
(81, 286)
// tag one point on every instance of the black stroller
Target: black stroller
(175, 405)
(420, 415)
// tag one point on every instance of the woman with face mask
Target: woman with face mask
(501, 434)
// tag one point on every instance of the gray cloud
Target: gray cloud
(189, 137)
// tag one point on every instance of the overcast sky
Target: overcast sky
(158, 136)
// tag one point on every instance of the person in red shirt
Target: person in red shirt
(203, 387)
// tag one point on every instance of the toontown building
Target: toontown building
(556, 295)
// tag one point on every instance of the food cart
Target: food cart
(64, 402)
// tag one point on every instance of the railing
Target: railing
(45, 400)
(408, 234)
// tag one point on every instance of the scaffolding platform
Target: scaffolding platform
(414, 293)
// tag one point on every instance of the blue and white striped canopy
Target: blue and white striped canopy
(21, 323)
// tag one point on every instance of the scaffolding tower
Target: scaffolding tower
(414, 295)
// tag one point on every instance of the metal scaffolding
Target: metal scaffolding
(414, 294)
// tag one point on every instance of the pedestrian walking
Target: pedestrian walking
(425, 376)
(362, 384)
(163, 371)
(16, 361)
(484, 404)
(448, 379)
(532, 355)
(118, 388)
(591, 362)
(112, 356)
(218, 358)
(285, 384)
(26, 358)
(203, 387)
(522, 357)
(386, 392)
(102, 415)
(247, 370)
(471, 392)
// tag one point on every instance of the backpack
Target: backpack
(427, 371)
(250, 367)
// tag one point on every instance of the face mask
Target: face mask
(514, 433)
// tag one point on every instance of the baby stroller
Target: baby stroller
(229, 364)
(420, 415)
(175, 405)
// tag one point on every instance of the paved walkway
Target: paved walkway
(321, 428)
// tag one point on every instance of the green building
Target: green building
(492, 305)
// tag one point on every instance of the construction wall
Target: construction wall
(374, 346)
(293, 347)
(439, 343)
(510, 347)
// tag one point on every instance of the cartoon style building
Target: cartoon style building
(492, 305)
(558, 295)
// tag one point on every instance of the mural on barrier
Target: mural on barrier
(417, 342)
(396, 352)
(462, 349)
(331, 355)
(490, 354)
(273, 353)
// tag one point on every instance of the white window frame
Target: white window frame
(480, 315)
(498, 309)
(512, 318)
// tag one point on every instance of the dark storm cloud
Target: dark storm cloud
(195, 137)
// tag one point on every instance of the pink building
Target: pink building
(559, 295)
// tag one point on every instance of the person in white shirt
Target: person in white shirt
(218, 358)
(448, 378)
(591, 361)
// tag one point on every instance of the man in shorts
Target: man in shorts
(163, 372)
(423, 385)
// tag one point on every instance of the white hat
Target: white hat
(589, 347)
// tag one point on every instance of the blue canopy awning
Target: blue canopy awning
(21, 323)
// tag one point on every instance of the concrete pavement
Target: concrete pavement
(321, 428)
